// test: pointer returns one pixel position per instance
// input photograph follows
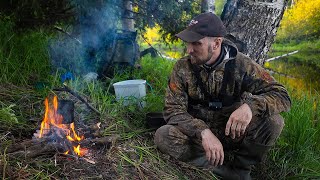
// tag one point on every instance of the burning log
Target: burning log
(34, 148)
(55, 137)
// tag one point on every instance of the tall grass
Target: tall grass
(23, 56)
(297, 153)
(154, 70)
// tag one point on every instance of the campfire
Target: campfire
(54, 130)
(61, 138)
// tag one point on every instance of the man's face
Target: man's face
(200, 51)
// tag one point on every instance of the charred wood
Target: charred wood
(40, 147)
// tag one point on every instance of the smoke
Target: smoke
(85, 45)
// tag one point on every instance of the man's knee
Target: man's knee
(161, 135)
(172, 141)
(266, 130)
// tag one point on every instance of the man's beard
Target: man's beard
(198, 61)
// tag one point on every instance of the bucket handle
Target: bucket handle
(151, 90)
(149, 85)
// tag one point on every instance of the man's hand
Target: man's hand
(212, 147)
(238, 121)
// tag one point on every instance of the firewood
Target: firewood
(36, 150)
(38, 147)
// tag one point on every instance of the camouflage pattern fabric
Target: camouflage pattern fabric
(234, 81)
(172, 141)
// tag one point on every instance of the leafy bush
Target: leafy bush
(300, 21)
(7, 116)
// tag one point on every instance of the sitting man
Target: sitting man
(220, 100)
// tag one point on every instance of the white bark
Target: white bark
(208, 6)
(254, 23)
(128, 21)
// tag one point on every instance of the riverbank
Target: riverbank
(300, 71)
(305, 46)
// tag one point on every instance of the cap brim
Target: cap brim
(189, 36)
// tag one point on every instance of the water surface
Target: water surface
(300, 71)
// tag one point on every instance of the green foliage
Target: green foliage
(7, 116)
(156, 71)
(302, 128)
(28, 14)
(102, 94)
(23, 57)
(297, 152)
(300, 21)
(219, 6)
(169, 14)
(12, 121)
(172, 16)
(293, 45)
(19, 109)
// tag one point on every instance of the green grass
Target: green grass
(297, 153)
(23, 56)
(308, 46)
(7, 116)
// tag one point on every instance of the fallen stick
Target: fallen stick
(284, 55)
(67, 89)
(67, 33)
(5, 136)
(34, 149)
(276, 72)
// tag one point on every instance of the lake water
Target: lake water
(300, 71)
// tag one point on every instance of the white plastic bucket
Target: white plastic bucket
(131, 91)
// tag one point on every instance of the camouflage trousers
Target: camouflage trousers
(263, 131)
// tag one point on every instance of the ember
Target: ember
(53, 129)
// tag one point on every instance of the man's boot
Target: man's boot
(223, 171)
(249, 154)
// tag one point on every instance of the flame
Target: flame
(44, 123)
(78, 138)
(79, 151)
(52, 122)
(75, 135)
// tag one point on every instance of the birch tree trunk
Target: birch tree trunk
(128, 21)
(254, 24)
(207, 6)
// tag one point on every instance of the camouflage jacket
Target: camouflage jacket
(237, 79)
